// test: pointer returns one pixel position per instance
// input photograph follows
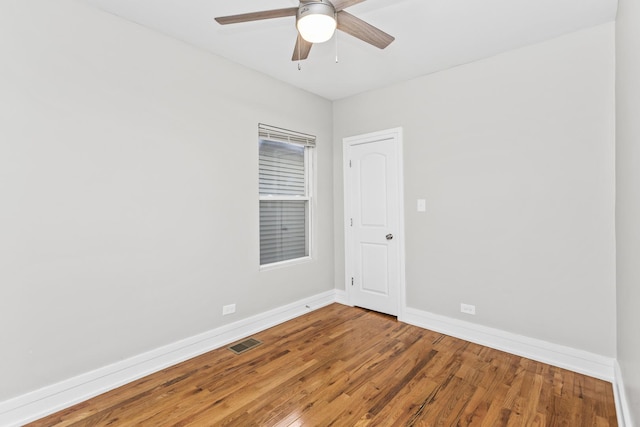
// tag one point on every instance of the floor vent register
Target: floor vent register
(245, 345)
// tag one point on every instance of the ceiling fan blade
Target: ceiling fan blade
(257, 16)
(302, 48)
(343, 4)
(365, 32)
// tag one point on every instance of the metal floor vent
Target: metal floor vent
(245, 345)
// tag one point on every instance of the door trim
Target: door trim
(395, 134)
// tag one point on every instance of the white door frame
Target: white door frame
(395, 134)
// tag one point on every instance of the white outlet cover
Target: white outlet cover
(422, 205)
(468, 308)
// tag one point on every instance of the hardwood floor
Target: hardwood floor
(344, 366)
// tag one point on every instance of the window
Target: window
(285, 199)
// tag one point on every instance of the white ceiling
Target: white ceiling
(431, 35)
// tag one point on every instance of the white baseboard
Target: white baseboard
(622, 404)
(37, 404)
(569, 358)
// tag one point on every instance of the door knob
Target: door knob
(389, 236)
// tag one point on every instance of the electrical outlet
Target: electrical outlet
(421, 205)
(468, 308)
(228, 309)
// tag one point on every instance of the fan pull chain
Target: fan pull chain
(336, 37)
(299, 66)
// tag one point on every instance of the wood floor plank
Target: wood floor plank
(345, 366)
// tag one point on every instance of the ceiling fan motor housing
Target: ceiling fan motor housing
(324, 7)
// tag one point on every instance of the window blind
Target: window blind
(281, 169)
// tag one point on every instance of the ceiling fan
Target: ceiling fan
(316, 21)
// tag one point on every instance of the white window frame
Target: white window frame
(308, 142)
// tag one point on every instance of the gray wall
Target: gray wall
(628, 197)
(128, 184)
(515, 158)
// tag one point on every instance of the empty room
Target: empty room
(218, 213)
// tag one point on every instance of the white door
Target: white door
(373, 231)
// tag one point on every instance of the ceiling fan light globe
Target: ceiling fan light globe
(316, 28)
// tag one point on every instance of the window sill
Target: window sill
(287, 263)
